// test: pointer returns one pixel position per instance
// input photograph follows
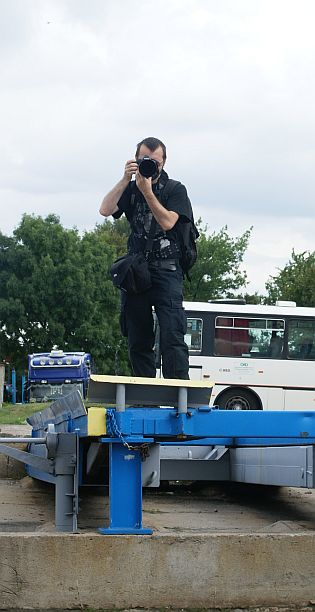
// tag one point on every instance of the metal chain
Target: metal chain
(142, 448)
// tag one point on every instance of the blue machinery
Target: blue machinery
(184, 440)
(11, 388)
(55, 374)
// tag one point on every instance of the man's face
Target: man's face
(157, 155)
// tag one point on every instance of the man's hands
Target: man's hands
(165, 218)
(110, 201)
(131, 167)
(144, 184)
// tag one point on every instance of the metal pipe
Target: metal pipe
(120, 397)
(13, 379)
(23, 382)
(182, 400)
(22, 440)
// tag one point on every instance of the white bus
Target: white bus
(260, 357)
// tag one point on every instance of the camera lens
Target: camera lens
(148, 167)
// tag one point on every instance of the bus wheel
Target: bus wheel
(238, 399)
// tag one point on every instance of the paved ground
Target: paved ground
(269, 609)
(28, 505)
(15, 430)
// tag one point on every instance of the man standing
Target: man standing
(141, 200)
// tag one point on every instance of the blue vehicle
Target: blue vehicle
(55, 374)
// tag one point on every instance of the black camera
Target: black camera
(148, 167)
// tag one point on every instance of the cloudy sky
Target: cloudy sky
(228, 85)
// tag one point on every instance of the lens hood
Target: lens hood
(148, 167)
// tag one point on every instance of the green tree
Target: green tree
(55, 291)
(295, 281)
(217, 271)
(100, 332)
(251, 298)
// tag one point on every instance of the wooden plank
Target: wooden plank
(157, 382)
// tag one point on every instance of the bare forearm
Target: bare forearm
(109, 203)
(165, 218)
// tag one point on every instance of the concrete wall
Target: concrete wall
(76, 571)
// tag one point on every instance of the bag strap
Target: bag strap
(152, 229)
(151, 235)
(167, 191)
(168, 188)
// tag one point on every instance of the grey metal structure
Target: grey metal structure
(288, 466)
(285, 466)
(194, 463)
(61, 465)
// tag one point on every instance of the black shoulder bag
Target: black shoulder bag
(187, 233)
(131, 273)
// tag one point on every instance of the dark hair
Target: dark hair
(152, 144)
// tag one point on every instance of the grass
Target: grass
(15, 414)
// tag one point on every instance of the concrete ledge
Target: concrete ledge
(199, 571)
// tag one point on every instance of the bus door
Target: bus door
(299, 392)
(196, 340)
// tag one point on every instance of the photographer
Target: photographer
(142, 200)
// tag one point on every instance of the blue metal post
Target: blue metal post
(23, 381)
(125, 492)
(13, 386)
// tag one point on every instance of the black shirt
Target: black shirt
(166, 244)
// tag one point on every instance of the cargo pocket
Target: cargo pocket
(178, 316)
(123, 317)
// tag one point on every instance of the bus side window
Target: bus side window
(223, 342)
(193, 336)
(305, 350)
(256, 337)
(275, 346)
(301, 339)
(231, 342)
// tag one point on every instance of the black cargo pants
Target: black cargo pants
(166, 295)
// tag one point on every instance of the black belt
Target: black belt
(164, 264)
